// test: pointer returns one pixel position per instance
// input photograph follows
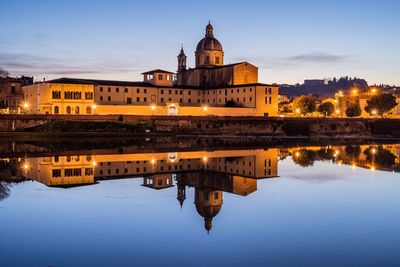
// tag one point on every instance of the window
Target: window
(56, 173)
(162, 91)
(145, 91)
(88, 95)
(162, 100)
(109, 89)
(101, 98)
(101, 89)
(117, 90)
(169, 91)
(207, 60)
(137, 99)
(77, 110)
(129, 100)
(217, 60)
(126, 90)
(88, 110)
(160, 77)
(109, 98)
(88, 171)
(56, 94)
(68, 110)
(190, 100)
(138, 90)
(56, 110)
(267, 91)
(268, 100)
(190, 92)
(145, 99)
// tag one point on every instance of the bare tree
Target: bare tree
(3, 73)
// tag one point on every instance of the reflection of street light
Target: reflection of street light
(373, 150)
(297, 154)
(372, 168)
(205, 159)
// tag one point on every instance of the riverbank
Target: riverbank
(120, 126)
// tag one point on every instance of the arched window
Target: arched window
(76, 110)
(207, 60)
(68, 110)
(56, 110)
(217, 60)
(88, 110)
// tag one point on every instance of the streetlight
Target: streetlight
(354, 91)
(374, 112)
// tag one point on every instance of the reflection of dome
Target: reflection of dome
(208, 204)
(208, 211)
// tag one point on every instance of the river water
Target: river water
(330, 205)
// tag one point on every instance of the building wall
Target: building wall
(255, 100)
(41, 99)
(245, 73)
(11, 96)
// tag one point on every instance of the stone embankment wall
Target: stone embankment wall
(314, 127)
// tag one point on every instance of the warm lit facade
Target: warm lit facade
(11, 96)
(210, 88)
(355, 96)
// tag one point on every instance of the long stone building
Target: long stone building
(211, 88)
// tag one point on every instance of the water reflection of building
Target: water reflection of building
(208, 190)
(210, 173)
(373, 157)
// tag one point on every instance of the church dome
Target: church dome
(209, 42)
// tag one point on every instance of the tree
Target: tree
(305, 104)
(380, 104)
(326, 108)
(3, 73)
(353, 110)
(304, 157)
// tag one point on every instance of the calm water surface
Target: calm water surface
(310, 206)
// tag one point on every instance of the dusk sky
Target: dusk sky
(288, 40)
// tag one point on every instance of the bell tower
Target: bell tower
(181, 67)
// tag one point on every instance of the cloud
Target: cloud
(319, 57)
(26, 64)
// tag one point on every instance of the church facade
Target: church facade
(210, 88)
